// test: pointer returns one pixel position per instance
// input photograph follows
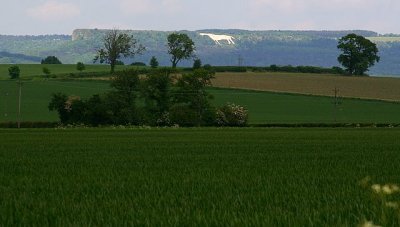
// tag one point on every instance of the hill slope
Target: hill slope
(253, 48)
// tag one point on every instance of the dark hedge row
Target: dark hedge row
(276, 68)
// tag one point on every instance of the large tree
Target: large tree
(180, 46)
(117, 45)
(358, 54)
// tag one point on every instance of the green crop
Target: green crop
(209, 176)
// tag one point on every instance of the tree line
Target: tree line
(160, 98)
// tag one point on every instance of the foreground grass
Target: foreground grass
(272, 177)
(264, 107)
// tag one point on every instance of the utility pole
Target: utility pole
(5, 104)
(19, 102)
(335, 103)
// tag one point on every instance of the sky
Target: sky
(36, 17)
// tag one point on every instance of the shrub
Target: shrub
(207, 67)
(46, 71)
(183, 115)
(80, 66)
(51, 60)
(197, 64)
(14, 72)
(154, 62)
(138, 63)
(232, 115)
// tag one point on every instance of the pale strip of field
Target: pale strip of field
(384, 39)
(380, 88)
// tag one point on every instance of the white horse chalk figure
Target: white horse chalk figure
(218, 38)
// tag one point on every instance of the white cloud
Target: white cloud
(54, 10)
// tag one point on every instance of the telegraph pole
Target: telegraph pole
(335, 103)
(5, 104)
(19, 102)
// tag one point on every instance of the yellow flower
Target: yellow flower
(390, 189)
(369, 224)
(392, 205)
(376, 188)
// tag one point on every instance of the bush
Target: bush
(80, 66)
(51, 60)
(197, 64)
(46, 71)
(232, 115)
(138, 64)
(14, 72)
(154, 62)
(183, 115)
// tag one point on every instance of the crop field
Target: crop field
(357, 87)
(203, 176)
(264, 107)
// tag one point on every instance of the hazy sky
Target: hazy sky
(63, 16)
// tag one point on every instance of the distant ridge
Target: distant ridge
(219, 47)
(79, 34)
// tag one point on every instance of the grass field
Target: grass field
(203, 177)
(358, 87)
(264, 107)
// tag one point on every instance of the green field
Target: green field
(201, 177)
(264, 107)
